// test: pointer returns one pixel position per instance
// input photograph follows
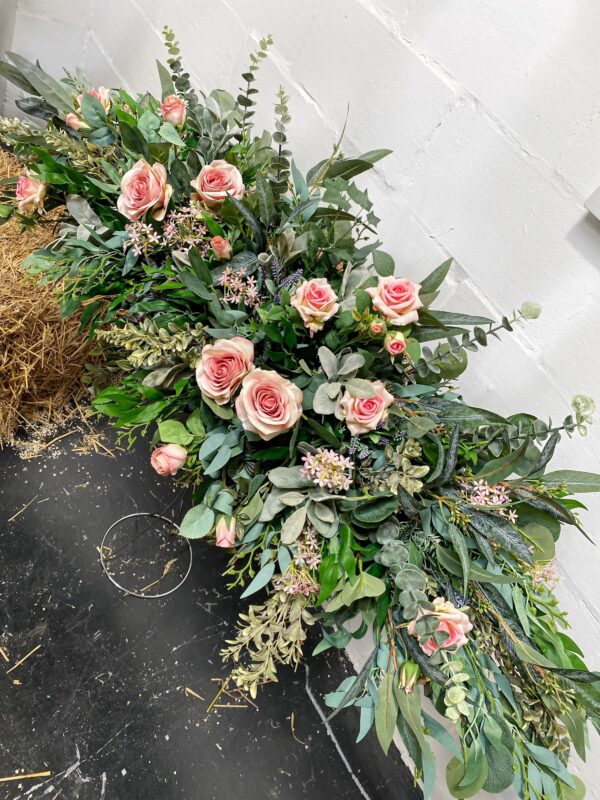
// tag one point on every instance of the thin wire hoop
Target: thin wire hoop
(129, 591)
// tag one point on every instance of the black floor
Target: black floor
(102, 703)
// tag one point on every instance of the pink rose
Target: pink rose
(363, 414)
(316, 302)
(395, 343)
(30, 194)
(167, 459)
(173, 109)
(216, 180)
(74, 121)
(102, 95)
(225, 532)
(222, 367)
(377, 327)
(450, 620)
(144, 188)
(397, 299)
(221, 247)
(268, 404)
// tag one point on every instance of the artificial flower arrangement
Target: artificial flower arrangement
(253, 327)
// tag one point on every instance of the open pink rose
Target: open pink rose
(30, 194)
(173, 109)
(450, 620)
(316, 302)
(222, 367)
(397, 299)
(144, 188)
(268, 404)
(102, 95)
(216, 181)
(221, 247)
(395, 343)
(363, 414)
(167, 459)
(225, 532)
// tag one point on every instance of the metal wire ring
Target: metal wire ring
(129, 591)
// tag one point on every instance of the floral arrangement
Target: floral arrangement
(254, 329)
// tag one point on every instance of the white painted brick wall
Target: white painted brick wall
(493, 112)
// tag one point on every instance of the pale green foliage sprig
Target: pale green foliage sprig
(245, 97)
(148, 346)
(272, 633)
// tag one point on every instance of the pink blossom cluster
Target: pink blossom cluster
(308, 553)
(296, 583)
(239, 287)
(143, 238)
(482, 493)
(183, 229)
(328, 469)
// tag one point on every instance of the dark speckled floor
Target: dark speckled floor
(102, 703)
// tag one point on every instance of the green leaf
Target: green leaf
(328, 577)
(501, 468)
(194, 423)
(198, 522)
(170, 430)
(575, 482)
(386, 711)
(458, 543)
(374, 512)
(169, 133)
(53, 91)
(383, 263)
(530, 655)
(249, 217)
(499, 529)
(466, 778)
(261, 579)
(166, 82)
(435, 279)
(356, 687)
(451, 562)
(223, 412)
(93, 111)
(221, 458)
(409, 704)
(293, 526)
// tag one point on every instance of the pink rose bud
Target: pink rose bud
(364, 414)
(450, 620)
(268, 404)
(225, 532)
(340, 266)
(173, 110)
(144, 188)
(397, 299)
(221, 247)
(316, 302)
(74, 121)
(222, 367)
(395, 344)
(408, 676)
(102, 95)
(377, 327)
(30, 194)
(215, 181)
(167, 459)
